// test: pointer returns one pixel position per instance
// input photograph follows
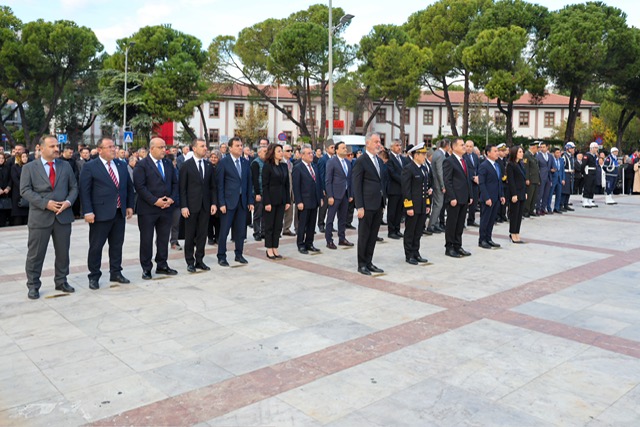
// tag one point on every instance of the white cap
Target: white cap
(570, 145)
(594, 145)
(614, 149)
(420, 147)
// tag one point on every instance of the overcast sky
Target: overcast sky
(206, 19)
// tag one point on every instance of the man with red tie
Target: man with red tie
(307, 192)
(457, 198)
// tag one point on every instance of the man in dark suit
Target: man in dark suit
(307, 192)
(50, 187)
(473, 163)
(106, 192)
(338, 190)
(198, 201)
(394, 190)
(330, 152)
(491, 195)
(437, 205)
(235, 199)
(156, 183)
(368, 193)
(457, 198)
(546, 166)
(532, 179)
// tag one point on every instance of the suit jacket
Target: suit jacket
(322, 168)
(36, 188)
(98, 193)
(197, 192)
(531, 168)
(437, 169)
(516, 180)
(275, 184)
(456, 182)
(337, 183)
(415, 187)
(368, 186)
(559, 175)
(472, 166)
(233, 189)
(305, 189)
(150, 186)
(489, 181)
(545, 166)
(394, 170)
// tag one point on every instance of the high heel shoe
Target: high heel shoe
(515, 241)
(278, 256)
(269, 256)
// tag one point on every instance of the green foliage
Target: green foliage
(253, 125)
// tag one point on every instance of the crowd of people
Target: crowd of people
(202, 196)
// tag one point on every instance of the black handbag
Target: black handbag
(5, 203)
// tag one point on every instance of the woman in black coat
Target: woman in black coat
(275, 198)
(5, 191)
(518, 191)
(20, 214)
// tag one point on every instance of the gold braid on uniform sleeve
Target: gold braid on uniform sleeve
(408, 203)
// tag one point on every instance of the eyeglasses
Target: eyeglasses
(288, 151)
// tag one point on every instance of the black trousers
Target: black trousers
(589, 185)
(161, 224)
(473, 207)
(306, 227)
(322, 212)
(532, 197)
(488, 215)
(515, 216)
(413, 226)
(338, 209)
(394, 213)
(195, 235)
(99, 233)
(368, 228)
(213, 229)
(235, 220)
(258, 219)
(350, 210)
(272, 222)
(456, 216)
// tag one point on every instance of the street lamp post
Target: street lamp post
(124, 113)
(332, 30)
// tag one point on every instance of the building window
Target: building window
(214, 135)
(406, 139)
(381, 117)
(427, 117)
(427, 139)
(549, 119)
(288, 109)
(264, 109)
(498, 118)
(383, 138)
(407, 116)
(289, 136)
(238, 110)
(214, 110)
(524, 119)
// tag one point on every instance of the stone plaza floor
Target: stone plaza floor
(541, 334)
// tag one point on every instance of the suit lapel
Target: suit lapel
(41, 170)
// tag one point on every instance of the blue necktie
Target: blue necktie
(497, 168)
(160, 169)
(238, 167)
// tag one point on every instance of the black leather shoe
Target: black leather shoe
(168, 271)
(364, 270)
(33, 294)
(350, 227)
(379, 239)
(493, 244)
(372, 268)
(331, 245)
(394, 236)
(191, 268)
(202, 266)
(313, 249)
(345, 242)
(473, 224)
(463, 252)
(223, 263)
(241, 259)
(412, 261)
(65, 287)
(420, 259)
(557, 211)
(119, 278)
(303, 251)
(93, 284)
(438, 229)
(211, 242)
(146, 275)
(452, 253)
(400, 234)
(322, 229)
(485, 245)
(428, 231)
(569, 209)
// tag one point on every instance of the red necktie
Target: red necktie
(313, 175)
(464, 165)
(115, 181)
(52, 175)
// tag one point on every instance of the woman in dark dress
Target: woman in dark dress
(5, 191)
(518, 191)
(213, 229)
(20, 214)
(275, 198)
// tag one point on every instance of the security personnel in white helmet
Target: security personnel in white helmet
(611, 168)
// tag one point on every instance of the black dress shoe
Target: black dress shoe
(119, 279)
(412, 261)
(374, 269)
(570, 209)
(400, 234)
(241, 259)
(350, 227)
(383, 223)
(191, 268)
(364, 270)
(303, 251)
(322, 229)
(33, 293)
(473, 224)
(146, 275)
(394, 236)
(223, 263)
(463, 252)
(202, 266)
(65, 287)
(438, 229)
(428, 231)
(379, 239)
(493, 244)
(557, 211)
(485, 245)
(168, 271)
(345, 242)
(452, 253)
(420, 259)
(93, 284)
(313, 249)
(331, 245)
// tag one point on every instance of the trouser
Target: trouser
(350, 210)
(175, 226)
(273, 225)
(589, 185)
(515, 216)
(160, 223)
(394, 213)
(290, 217)
(502, 214)
(529, 204)
(37, 244)
(437, 202)
(368, 228)
(557, 192)
(543, 195)
(213, 228)
(235, 220)
(456, 216)
(338, 209)
(306, 227)
(611, 184)
(322, 212)
(99, 233)
(195, 235)
(258, 220)
(413, 226)
(488, 216)
(473, 207)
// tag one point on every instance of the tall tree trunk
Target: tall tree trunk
(188, 129)
(323, 112)
(372, 116)
(400, 106)
(508, 113)
(450, 112)
(623, 123)
(204, 123)
(575, 99)
(465, 104)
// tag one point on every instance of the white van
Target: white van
(356, 142)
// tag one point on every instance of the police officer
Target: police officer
(589, 164)
(570, 175)
(416, 192)
(611, 168)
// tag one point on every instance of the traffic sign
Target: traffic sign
(128, 137)
(282, 136)
(62, 138)
(599, 140)
(4, 138)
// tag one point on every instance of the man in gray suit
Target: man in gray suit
(444, 146)
(50, 187)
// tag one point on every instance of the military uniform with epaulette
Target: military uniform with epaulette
(416, 192)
